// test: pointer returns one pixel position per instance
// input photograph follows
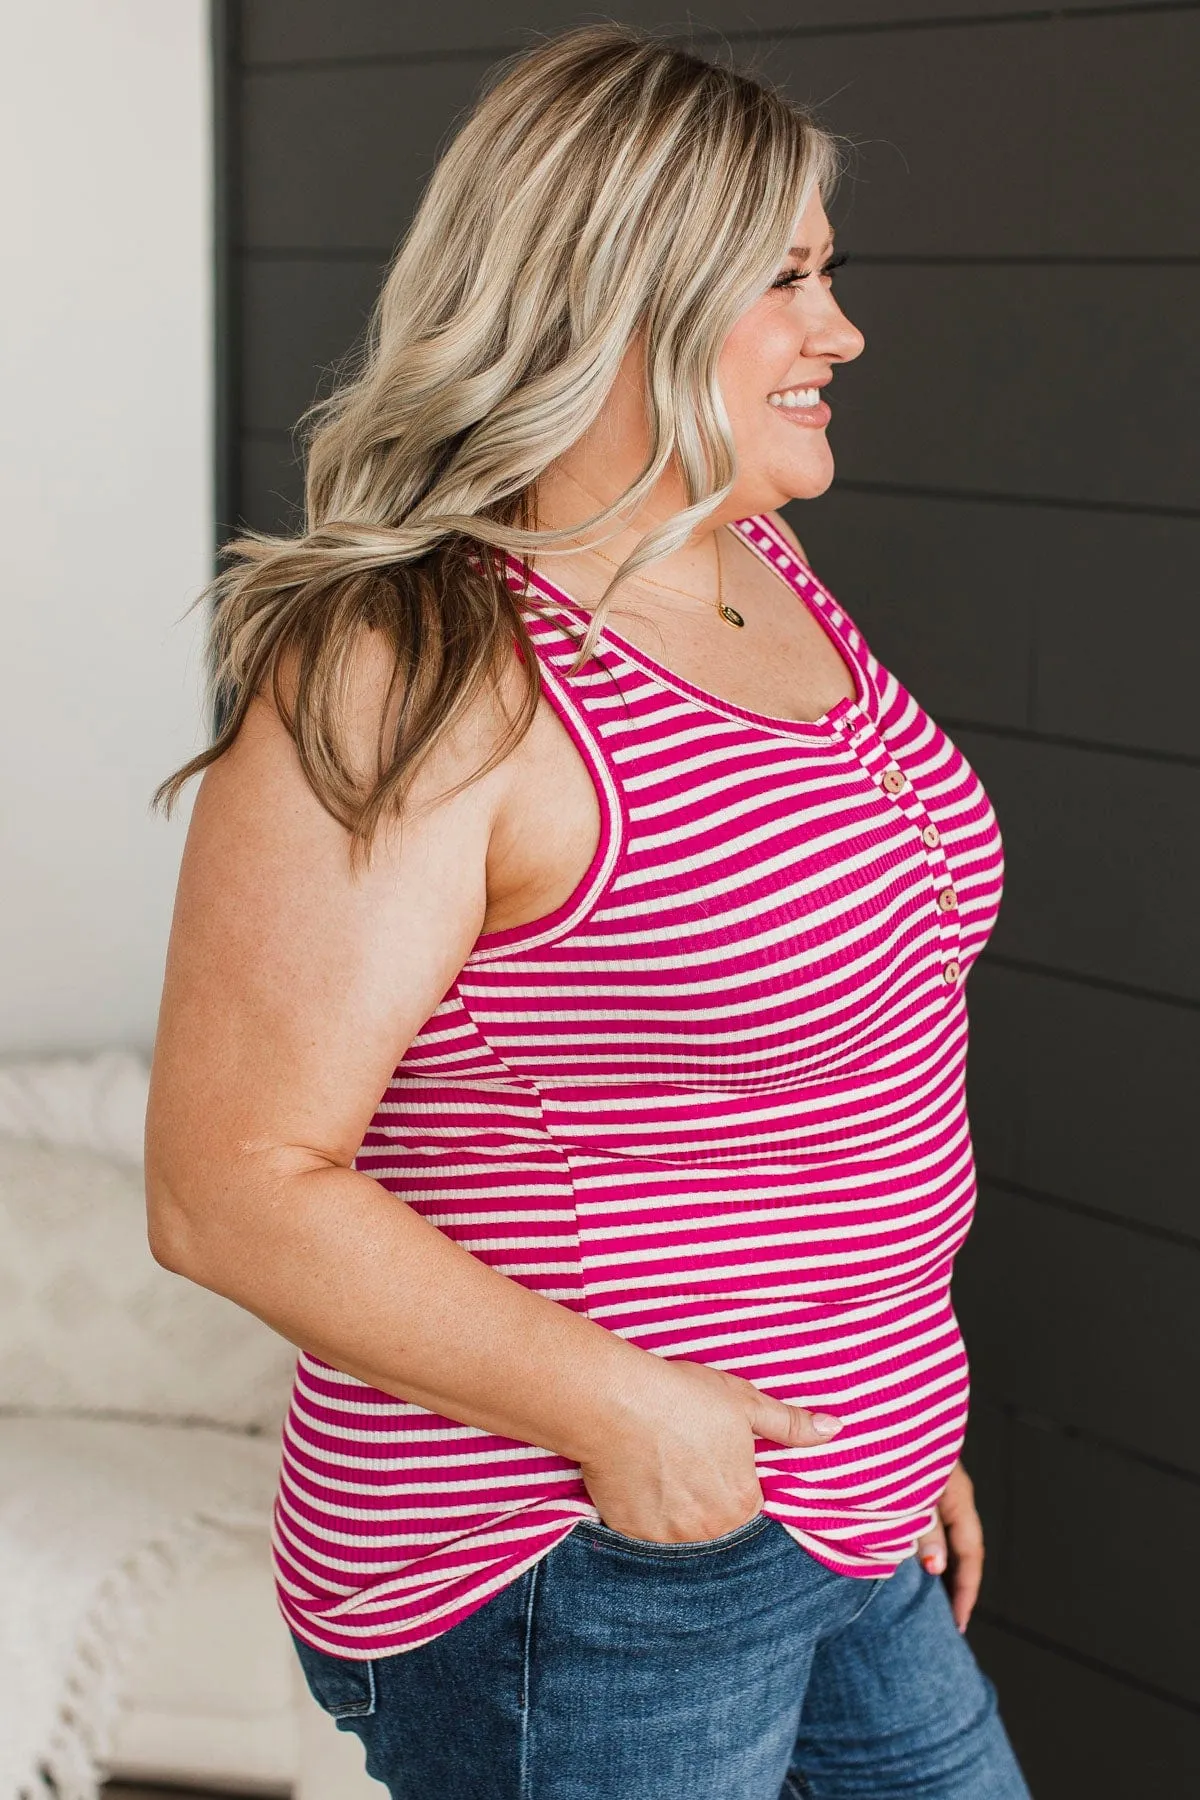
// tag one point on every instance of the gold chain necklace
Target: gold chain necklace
(730, 614)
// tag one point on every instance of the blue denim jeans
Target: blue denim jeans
(737, 1668)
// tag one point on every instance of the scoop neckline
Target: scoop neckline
(821, 726)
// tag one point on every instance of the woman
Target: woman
(563, 1032)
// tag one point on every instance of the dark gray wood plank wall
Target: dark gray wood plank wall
(1016, 526)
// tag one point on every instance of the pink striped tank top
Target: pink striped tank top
(715, 1101)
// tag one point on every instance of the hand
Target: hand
(955, 1543)
(678, 1466)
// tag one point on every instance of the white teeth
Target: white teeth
(795, 397)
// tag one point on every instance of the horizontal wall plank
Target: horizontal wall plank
(1085, 1322)
(1021, 615)
(940, 169)
(1133, 188)
(338, 158)
(1103, 861)
(1118, 644)
(1086, 1095)
(1084, 1735)
(925, 112)
(283, 30)
(299, 319)
(286, 30)
(941, 589)
(996, 380)
(1106, 1558)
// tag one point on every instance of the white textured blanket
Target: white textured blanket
(97, 1102)
(97, 1520)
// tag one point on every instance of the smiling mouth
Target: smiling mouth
(800, 406)
(795, 398)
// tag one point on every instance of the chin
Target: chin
(779, 486)
(807, 484)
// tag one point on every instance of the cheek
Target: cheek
(757, 356)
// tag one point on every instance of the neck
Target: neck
(566, 499)
(694, 571)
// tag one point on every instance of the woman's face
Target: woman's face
(789, 340)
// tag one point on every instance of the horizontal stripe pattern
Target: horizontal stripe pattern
(715, 1102)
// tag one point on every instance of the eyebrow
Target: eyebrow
(802, 251)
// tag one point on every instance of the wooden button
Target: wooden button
(947, 899)
(951, 973)
(931, 836)
(894, 781)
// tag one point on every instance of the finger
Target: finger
(793, 1425)
(966, 1578)
(931, 1549)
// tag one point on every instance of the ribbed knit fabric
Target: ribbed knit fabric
(715, 1101)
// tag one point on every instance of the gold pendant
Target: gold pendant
(730, 614)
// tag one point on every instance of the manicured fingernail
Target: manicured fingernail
(933, 1562)
(825, 1424)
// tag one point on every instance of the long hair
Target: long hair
(605, 183)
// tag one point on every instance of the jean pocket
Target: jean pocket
(599, 1533)
(343, 1688)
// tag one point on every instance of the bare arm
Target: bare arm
(293, 986)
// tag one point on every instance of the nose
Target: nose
(831, 334)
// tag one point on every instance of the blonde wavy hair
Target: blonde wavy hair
(605, 183)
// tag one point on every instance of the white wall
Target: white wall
(105, 486)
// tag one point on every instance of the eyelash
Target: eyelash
(794, 277)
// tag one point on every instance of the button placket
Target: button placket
(945, 896)
(894, 782)
(950, 932)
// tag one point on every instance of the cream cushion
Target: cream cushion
(99, 1342)
(89, 1322)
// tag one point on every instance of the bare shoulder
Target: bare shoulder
(781, 525)
(371, 693)
(267, 863)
